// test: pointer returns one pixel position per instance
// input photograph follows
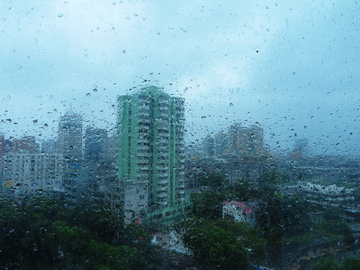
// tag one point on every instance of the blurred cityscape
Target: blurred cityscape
(147, 173)
(147, 168)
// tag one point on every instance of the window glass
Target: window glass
(179, 134)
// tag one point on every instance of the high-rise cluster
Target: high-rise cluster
(140, 171)
(238, 142)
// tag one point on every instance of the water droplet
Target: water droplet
(158, 32)
(88, 94)
(60, 15)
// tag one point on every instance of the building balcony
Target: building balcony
(143, 154)
(144, 115)
(163, 115)
(163, 189)
(143, 126)
(142, 175)
(161, 194)
(162, 181)
(163, 109)
(143, 106)
(163, 148)
(143, 147)
(164, 103)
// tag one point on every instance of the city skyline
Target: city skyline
(232, 61)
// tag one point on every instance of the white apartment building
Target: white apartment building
(27, 173)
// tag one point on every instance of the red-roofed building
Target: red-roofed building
(240, 211)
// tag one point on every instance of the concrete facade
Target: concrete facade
(27, 173)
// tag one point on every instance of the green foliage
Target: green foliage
(214, 247)
(338, 228)
(251, 236)
(350, 264)
(215, 180)
(207, 204)
(104, 224)
(242, 190)
(326, 264)
(268, 179)
(280, 215)
(41, 233)
(331, 264)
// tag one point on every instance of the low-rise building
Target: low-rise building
(240, 211)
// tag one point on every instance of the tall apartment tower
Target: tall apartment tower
(70, 136)
(151, 150)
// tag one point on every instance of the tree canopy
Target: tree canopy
(41, 233)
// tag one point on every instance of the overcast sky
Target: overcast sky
(292, 66)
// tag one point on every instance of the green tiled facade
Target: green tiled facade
(151, 150)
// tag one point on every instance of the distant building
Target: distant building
(328, 196)
(95, 144)
(26, 144)
(151, 150)
(70, 146)
(50, 146)
(220, 143)
(246, 142)
(300, 149)
(101, 188)
(70, 136)
(208, 146)
(240, 211)
(111, 148)
(28, 173)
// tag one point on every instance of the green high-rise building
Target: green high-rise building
(151, 151)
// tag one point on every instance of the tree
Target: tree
(40, 233)
(331, 264)
(207, 204)
(148, 254)
(350, 264)
(250, 235)
(242, 190)
(280, 216)
(326, 264)
(215, 180)
(214, 247)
